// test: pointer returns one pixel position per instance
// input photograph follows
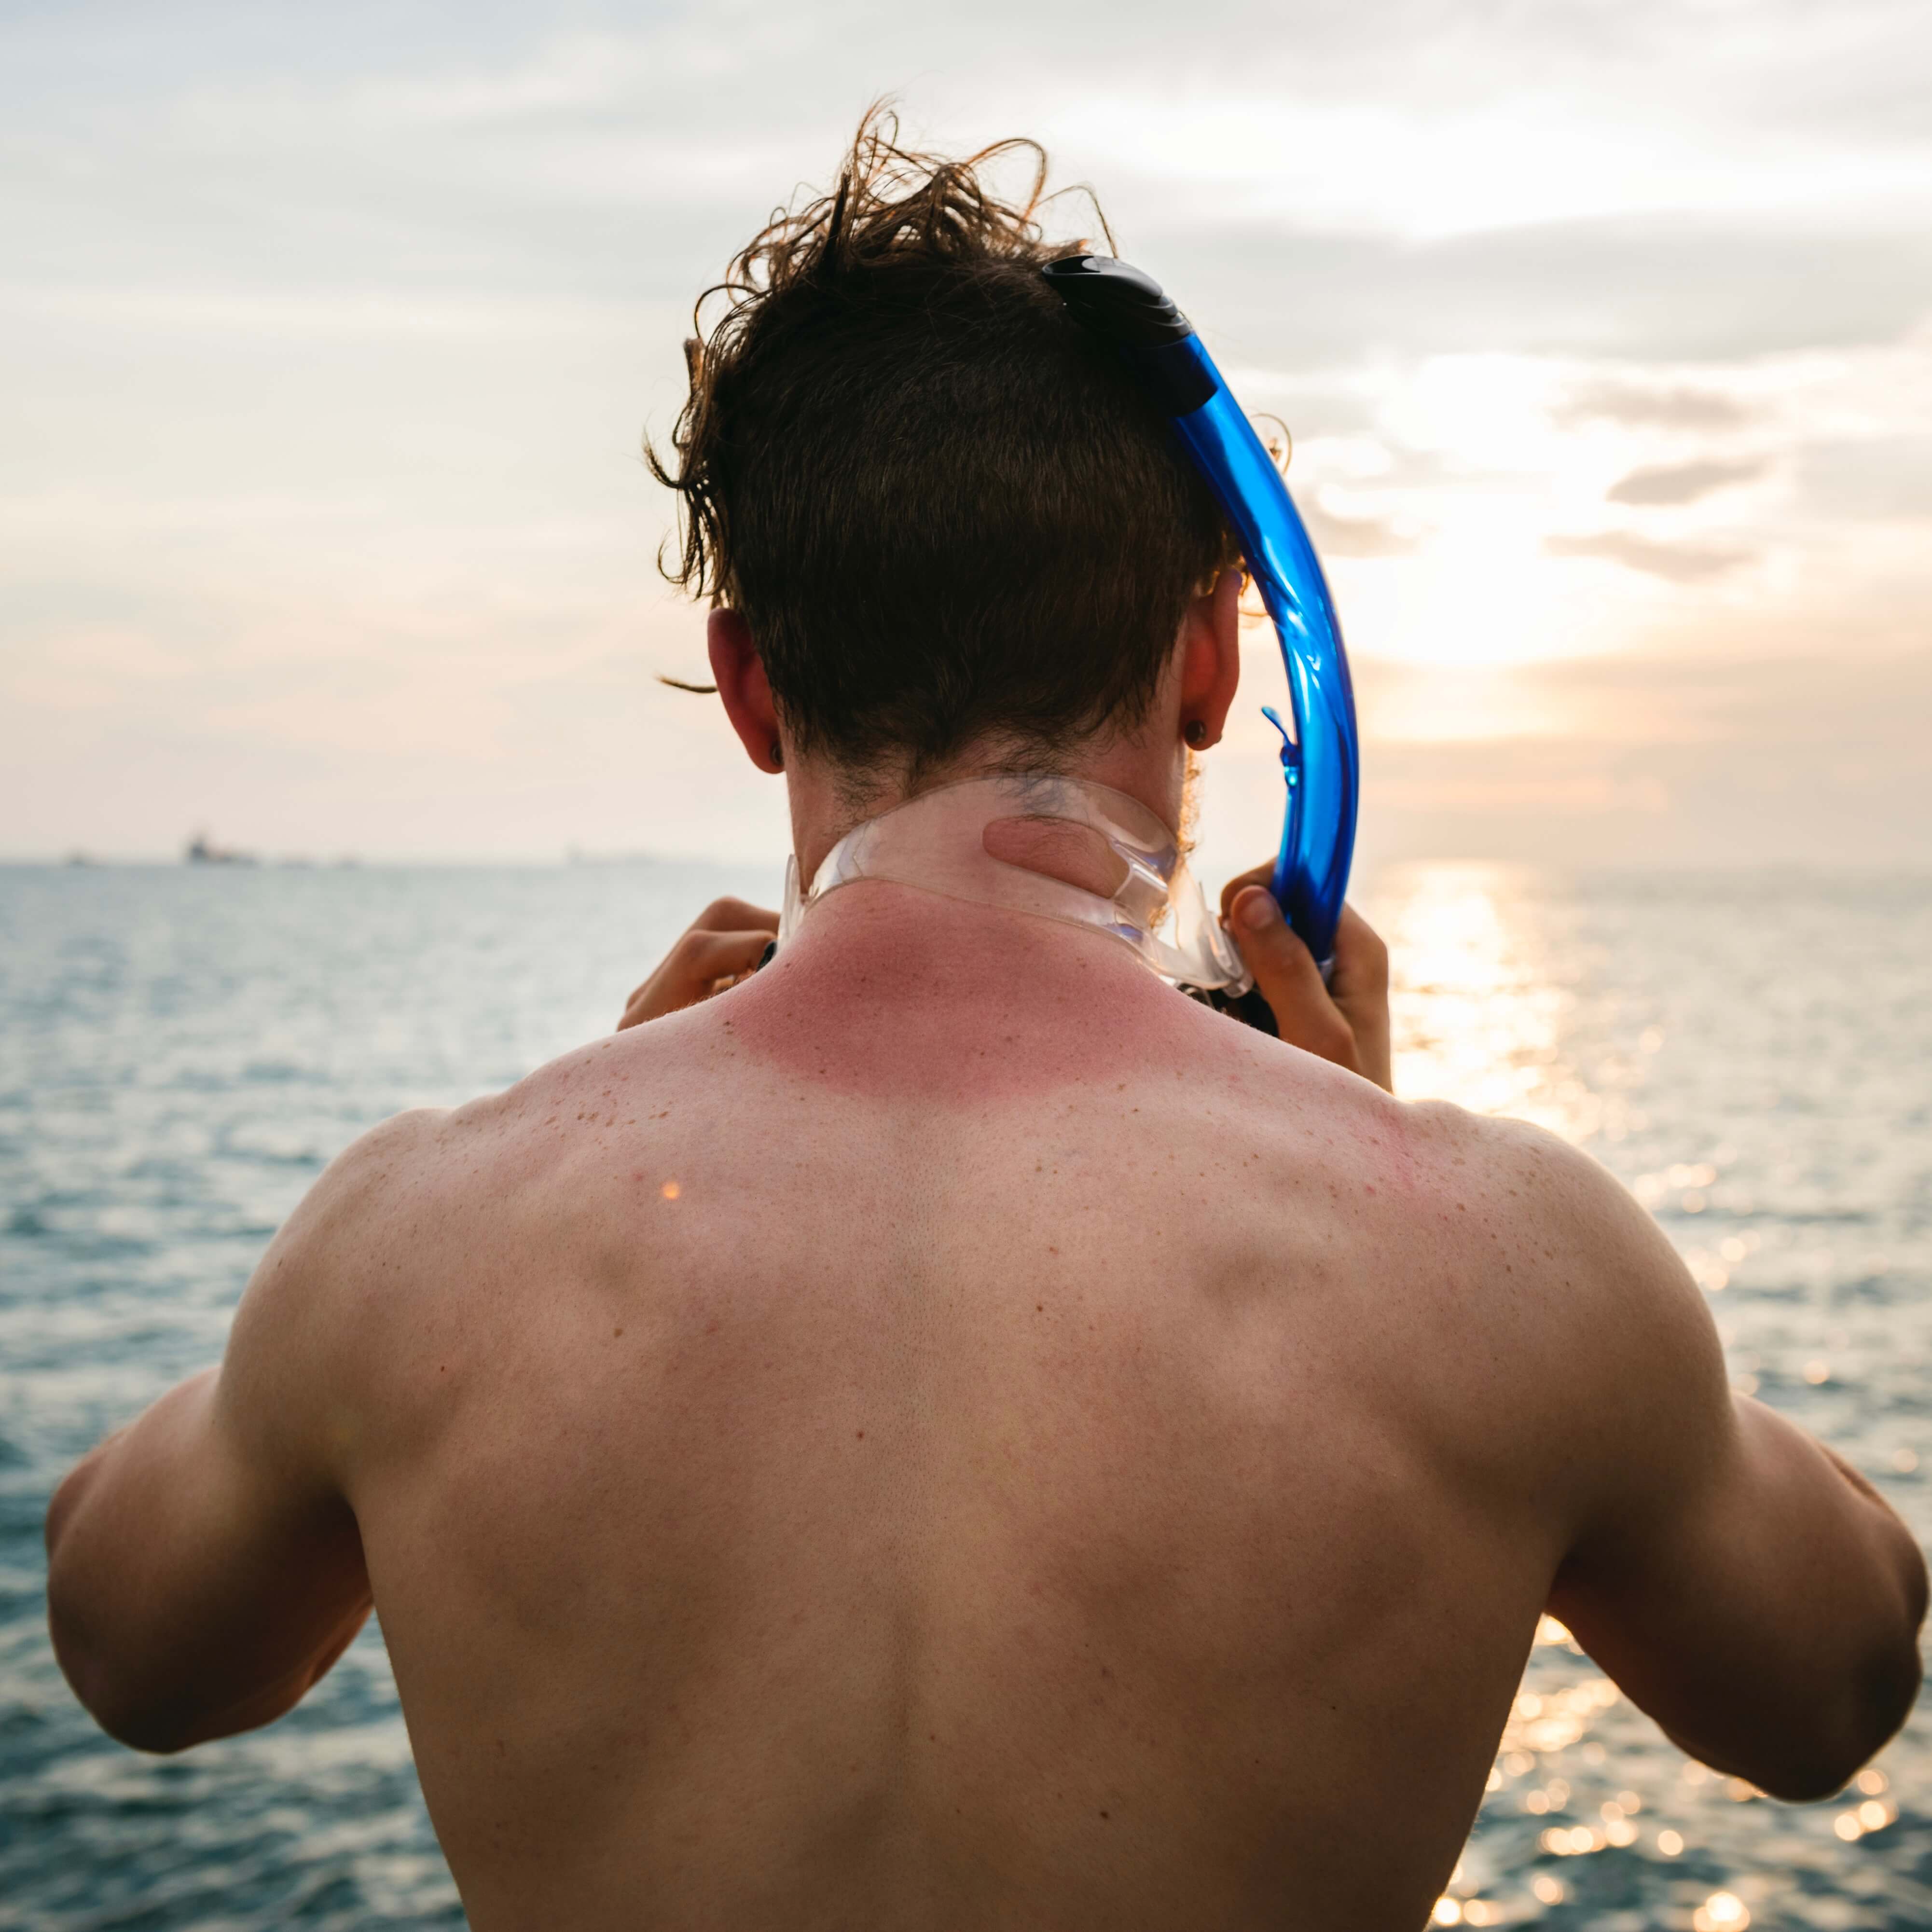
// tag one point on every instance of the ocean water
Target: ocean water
(182, 1050)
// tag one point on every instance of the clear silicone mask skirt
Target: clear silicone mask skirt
(938, 843)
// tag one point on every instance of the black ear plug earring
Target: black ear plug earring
(778, 754)
(1196, 733)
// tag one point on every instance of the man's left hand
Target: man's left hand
(722, 946)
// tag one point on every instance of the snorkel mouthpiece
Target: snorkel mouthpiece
(1320, 759)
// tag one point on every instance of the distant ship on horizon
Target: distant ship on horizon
(202, 850)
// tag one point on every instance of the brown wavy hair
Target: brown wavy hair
(947, 515)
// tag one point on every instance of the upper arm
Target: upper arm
(204, 1566)
(1743, 1586)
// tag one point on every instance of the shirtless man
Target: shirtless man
(949, 1433)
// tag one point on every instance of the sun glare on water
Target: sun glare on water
(1478, 999)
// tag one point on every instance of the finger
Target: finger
(1259, 875)
(670, 988)
(1361, 986)
(700, 958)
(1361, 958)
(1288, 979)
(735, 916)
(696, 965)
(647, 1003)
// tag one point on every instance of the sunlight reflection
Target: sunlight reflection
(1478, 1003)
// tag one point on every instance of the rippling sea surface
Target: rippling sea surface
(182, 1050)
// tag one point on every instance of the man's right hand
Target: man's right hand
(723, 944)
(1346, 1021)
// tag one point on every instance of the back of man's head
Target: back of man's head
(946, 514)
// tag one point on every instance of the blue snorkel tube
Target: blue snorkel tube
(1320, 760)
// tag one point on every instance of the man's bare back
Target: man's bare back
(918, 1432)
(951, 1432)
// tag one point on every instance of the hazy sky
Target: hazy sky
(1604, 330)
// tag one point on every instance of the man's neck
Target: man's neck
(827, 800)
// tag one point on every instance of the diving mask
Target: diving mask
(938, 843)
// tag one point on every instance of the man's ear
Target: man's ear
(1210, 661)
(740, 676)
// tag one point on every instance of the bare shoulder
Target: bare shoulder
(394, 1245)
(427, 1182)
(1546, 1208)
(1516, 1301)
(1509, 1291)
(327, 1256)
(377, 1171)
(1572, 1311)
(1489, 1185)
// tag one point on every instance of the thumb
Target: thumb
(1288, 979)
